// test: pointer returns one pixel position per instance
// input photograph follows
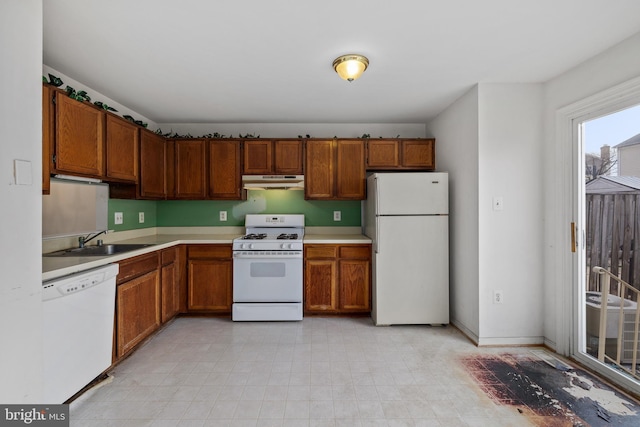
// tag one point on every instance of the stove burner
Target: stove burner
(288, 236)
(254, 236)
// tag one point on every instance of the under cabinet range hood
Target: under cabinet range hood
(273, 182)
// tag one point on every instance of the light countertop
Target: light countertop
(336, 238)
(54, 267)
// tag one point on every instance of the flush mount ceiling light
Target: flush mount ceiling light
(350, 67)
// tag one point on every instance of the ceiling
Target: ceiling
(269, 61)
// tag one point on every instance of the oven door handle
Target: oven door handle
(268, 257)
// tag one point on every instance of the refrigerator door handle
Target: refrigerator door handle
(376, 190)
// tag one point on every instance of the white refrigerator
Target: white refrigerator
(407, 217)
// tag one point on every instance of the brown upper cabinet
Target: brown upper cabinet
(350, 170)
(79, 141)
(288, 157)
(263, 156)
(319, 170)
(151, 182)
(190, 163)
(48, 119)
(335, 169)
(409, 154)
(122, 149)
(224, 169)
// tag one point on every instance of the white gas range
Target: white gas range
(267, 269)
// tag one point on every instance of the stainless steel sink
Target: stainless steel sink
(103, 250)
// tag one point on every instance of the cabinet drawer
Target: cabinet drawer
(137, 266)
(168, 256)
(210, 251)
(359, 252)
(321, 251)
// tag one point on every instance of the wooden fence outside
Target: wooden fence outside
(613, 231)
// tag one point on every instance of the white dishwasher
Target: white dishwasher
(78, 318)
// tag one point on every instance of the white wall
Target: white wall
(97, 96)
(510, 251)
(20, 217)
(489, 141)
(292, 130)
(629, 160)
(456, 133)
(614, 66)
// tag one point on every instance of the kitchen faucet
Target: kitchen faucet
(83, 240)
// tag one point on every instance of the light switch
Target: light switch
(498, 203)
(22, 170)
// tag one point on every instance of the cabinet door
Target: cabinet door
(354, 285)
(319, 173)
(48, 119)
(320, 285)
(152, 166)
(224, 170)
(170, 292)
(210, 284)
(170, 168)
(258, 157)
(137, 307)
(383, 154)
(350, 171)
(122, 149)
(190, 168)
(288, 157)
(419, 154)
(79, 140)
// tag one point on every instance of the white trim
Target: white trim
(510, 341)
(466, 331)
(567, 196)
(497, 341)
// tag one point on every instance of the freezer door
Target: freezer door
(411, 271)
(413, 193)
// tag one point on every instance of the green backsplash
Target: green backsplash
(130, 210)
(191, 213)
(205, 213)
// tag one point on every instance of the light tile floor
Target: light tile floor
(319, 372)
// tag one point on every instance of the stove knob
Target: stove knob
(286, 246)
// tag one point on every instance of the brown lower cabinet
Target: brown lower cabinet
(147, 295)
(209, 278)
(137, 301)
(170, 284)
(337, 278)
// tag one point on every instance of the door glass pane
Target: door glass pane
(611, 159)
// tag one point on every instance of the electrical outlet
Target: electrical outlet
(118, 218)
(337, 215)
(498, 203)
(498, 297)
(223, 215)
(140, 217)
